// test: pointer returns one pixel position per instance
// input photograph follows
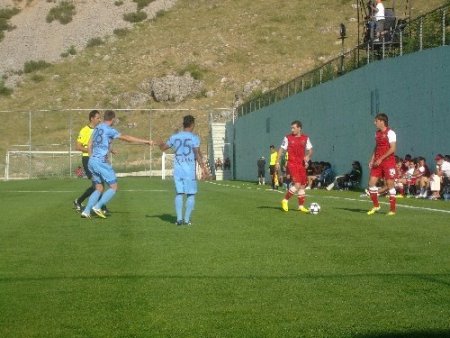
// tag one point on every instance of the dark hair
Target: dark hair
(188, 121)
(109, 115)
(272, 146)
(297, 123)
(382, 117)
(93, 113)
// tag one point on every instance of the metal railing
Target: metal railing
(429, 30)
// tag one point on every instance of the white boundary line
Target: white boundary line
(75, 191)
(336, 197)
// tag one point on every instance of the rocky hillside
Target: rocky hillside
(33, 38)
(229, 46)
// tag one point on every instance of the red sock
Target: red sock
(374, 198)
(288, 195)
(301, 200)
(392, 202)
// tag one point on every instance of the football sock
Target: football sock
(392, 199)
(190, 203)
(179, 206)
(92, 200)
(106, 197)
(86, 194)
(374, 196)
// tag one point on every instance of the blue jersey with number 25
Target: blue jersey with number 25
(183, 144)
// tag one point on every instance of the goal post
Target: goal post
(20, 164)
(166, 165)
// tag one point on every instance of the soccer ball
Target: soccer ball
(314, 208)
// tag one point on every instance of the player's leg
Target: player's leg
(301, 194)
(293, 189)
(392, 197)
(106, 196)
(78, 201)
(93, 199)
(179, 198)
(373, 191)
(389, 176)
(109, 176)
(191, 190)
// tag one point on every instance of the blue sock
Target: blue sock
(92, 200)
(179, 206)
(190, 203)
(106, 197)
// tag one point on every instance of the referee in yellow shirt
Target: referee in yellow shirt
(272, 169)
(82, 145)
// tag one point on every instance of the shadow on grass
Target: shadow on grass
(269, 207)
(412, 334)
(164, 217)
(358, 210)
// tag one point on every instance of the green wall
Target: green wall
(413, 90)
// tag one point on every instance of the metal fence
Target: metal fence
(426, 31)
(41, 143)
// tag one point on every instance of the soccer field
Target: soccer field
(243, 269)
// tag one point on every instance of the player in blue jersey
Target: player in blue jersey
(101, 169)
(186, 147)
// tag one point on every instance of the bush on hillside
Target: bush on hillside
(121, 32)
(194, 69)
(142, 3)
(63, 12)
(5, 15)
(135, 16)
(32, 66)
(4, 91)
(94, 42)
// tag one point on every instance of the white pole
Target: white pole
(163, 166)
(7, 167)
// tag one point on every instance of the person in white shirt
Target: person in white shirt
(379, 18)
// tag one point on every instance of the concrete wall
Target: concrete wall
(414, 90)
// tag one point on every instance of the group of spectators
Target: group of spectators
(225, 165)
(413, 177)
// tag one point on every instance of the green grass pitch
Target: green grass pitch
(243, 269)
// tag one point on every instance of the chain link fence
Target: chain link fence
(41, 143)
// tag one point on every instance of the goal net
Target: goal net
(26, 164)
(166, 165)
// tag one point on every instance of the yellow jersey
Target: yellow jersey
(84, 137)
(273, 158)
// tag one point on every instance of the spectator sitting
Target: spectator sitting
(423, 177)
(227, 164)
(313, 171)
(400, 180)
(443, 171)
(349, 180)
(326, 176)
(79, 172)
(219, 164)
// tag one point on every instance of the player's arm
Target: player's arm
(279, 157)
(199, 158)
(129, 138)
(372, 158)
(81, 145)
(89, 146)
(392, 149)
(163, 146)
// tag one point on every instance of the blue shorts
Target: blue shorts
(101, 172)
(185, 185)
